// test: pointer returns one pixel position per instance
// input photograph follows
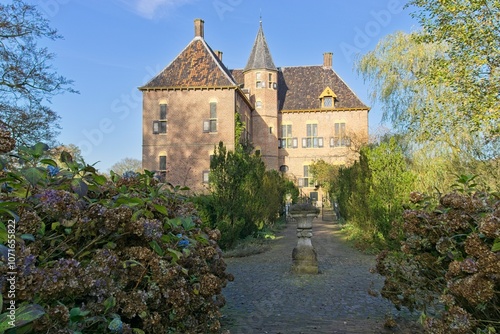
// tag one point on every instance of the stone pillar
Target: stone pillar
(304, 257)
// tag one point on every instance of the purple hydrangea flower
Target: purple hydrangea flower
(152, 229)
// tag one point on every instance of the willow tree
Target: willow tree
(471, 31)
(396, 68)
(441, 84)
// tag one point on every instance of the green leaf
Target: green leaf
(41, 231)
(76, 314)
(161, 209)
(176, 255)
(11, 213)
(154, 245)
(39, 149)
(99, 179)
(138, 331)
(79, 187)
(33, 175)
(110, 245)
(167, 238)
(131, 263)
(129, 201)
(496, 245)
(48, 162)
(202, 239)
(188, 223)
(66, 157)
(109, 303)
(172, 223)
(137, 215)
(24, 315)
(3, 233)
(29, 237)
(90, 169)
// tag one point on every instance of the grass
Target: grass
(259, 243)
(363, 241)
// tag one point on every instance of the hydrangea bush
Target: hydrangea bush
(449, 263)
(95, 255)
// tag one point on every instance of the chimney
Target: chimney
(327, 59)
(218, 54)
(198, 28)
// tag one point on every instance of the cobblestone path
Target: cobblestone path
(266, 297)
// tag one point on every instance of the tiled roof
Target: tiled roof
(260, 57)
(196, 66)
(238, 76)
(299, 88)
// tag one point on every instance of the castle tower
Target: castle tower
(261, 79)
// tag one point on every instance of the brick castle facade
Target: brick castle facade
(292, 115)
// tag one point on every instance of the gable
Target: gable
(195, 66)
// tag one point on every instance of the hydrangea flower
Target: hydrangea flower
(183, 243)
(53, 170)
(116, 326)
(152, 229)
(129, 174)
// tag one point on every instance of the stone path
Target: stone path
(266, 297)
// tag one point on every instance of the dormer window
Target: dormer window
(327, 98)
(327, 101)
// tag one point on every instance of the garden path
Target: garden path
(266, 297)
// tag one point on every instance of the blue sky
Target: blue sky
(111, 47)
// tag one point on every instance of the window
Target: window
(307, 180)
(162, 163)
(270, 129)
(205, 176)
(258, 104)
(327, 101)
(286, 140)
(312, 140)
(339, 138)
(270, 80)
(160, 126)
(210, 125)
(258, 79)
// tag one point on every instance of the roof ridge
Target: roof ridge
(219, 63)
(163, 69)
(181, 75)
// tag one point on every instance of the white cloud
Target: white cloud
(151, 9)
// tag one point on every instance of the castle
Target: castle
(291, 115)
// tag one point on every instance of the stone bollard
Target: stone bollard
(304, 257)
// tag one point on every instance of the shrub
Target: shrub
(449, 262)
(125, 255)
(372, 191)
(244, 197)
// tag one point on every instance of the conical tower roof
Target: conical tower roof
(260, 57)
